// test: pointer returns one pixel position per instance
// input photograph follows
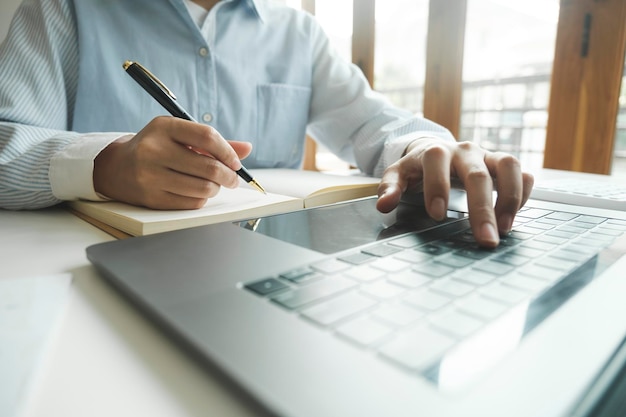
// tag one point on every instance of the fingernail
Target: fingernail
(488, 233)
(438, 208)
(505, 223)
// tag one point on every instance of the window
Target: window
(509, 49)
(400, 51)
(619, 153)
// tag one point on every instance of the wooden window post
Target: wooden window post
(443, 86)
(586, 78)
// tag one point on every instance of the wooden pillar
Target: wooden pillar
(443, 86)
(586, 78)
(310, 147)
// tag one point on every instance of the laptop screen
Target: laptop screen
(340, 227)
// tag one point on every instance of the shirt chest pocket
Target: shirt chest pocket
(282, 115)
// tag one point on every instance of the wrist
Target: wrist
(106, 166)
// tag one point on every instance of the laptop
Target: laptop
(344, 311)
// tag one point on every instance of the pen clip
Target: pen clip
(153, 77)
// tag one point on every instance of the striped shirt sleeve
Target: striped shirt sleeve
(38, 81)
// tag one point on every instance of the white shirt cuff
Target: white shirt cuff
(71, 169)
(394, 149)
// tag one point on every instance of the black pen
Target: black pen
(167, 99)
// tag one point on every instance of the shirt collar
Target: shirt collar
(259, 7)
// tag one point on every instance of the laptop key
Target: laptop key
(525, 282)
(557, 263)
(364, 331)
(534, 213)
(510, 258)
(266, 286)
(381, 250)
(389, 264)
(412, 256)
(591, 219)
(316, 291)
(338, 308)
(364, 273)
(560, 215)
(357, 258)
(397, 315)
(481, 307)
(474, 252)
(409, 279)
(473, 277)
(382, 290)
(433, 269)
(452, 288)
(550, 239)
(455, 261)
(504, 294)
(427, 300)
(493, 267)
(433, 250)
(456, 323)
(298, 274)
(330, 266)
(537, 271)
(417, 348)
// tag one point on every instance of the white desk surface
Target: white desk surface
(104, 359)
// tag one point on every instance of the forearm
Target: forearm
(355, 122)
(41, 167)
(25, 154)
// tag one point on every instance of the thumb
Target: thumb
(390, 190)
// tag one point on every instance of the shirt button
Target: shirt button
(207, 117)
(203, 51)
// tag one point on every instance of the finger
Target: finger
(470, 166)
(188, 186)
(169, 201)
(390, 189)
(185, 161)
(205, 139)
(510, 187)
(528, 180)
(436, 170)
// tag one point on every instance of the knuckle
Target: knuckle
(467, 146)
(211, 169)
(212, 190)
(144, 179)
(208, 189)
(507, 161)
(209, 133)
(143, 147)
(160, 121)
(435, 150)
(476, 174)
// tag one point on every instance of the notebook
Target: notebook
(288, 190)
(343, 311)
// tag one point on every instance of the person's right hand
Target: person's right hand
(156, 168)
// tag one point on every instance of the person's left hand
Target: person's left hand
(434, 161)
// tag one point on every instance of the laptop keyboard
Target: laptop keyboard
(411, 301)
(590, 193)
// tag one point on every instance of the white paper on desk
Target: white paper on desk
(30, 311)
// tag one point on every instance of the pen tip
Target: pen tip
(256, 185)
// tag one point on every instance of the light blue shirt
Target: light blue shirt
(254, 71)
